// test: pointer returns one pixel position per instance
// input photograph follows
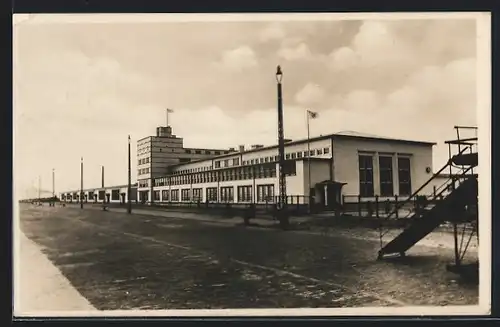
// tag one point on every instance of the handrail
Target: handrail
(454, 179)
(400, 205)
(447, 182)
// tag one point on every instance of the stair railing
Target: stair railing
(444, 187)
(402, 203)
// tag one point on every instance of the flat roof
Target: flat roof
(339, 135)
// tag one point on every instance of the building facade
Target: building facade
(328, 169)
(156, 153)
(365, 167)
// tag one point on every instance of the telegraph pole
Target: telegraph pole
(129, 189)
(283, 214)
(39, 188)
(81, 184)
(53, 184)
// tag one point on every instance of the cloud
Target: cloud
(310, 94)
(240, 58)
(298, 52)
(272, 32)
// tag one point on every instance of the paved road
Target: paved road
(120, 261)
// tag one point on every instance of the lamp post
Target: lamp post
(81, 183)
(282, 212)
(129, 188)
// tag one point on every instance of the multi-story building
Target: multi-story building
(156, 153)
(330, 169)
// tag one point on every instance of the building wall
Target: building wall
(320, 171)
(346, 162)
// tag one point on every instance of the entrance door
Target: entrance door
(123, 198)
(107, 198)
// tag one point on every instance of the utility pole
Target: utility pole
(282, 212)
(53, 184)
(129, 189)
(81, 184)
(39, 188)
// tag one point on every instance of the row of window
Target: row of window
(143, 161)
(265, 193)
(366, 186)
(216, 152)
(293, 155)
(231, 174)
(143, 171)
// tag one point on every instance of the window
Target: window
(404, 175)
(289, 168)
(217, 164)
(115, 195)
(366, 175)
(185, 196)
(245, 193)
(265, 193)
(101, 195)
(287, 156)
(236, 161)
(326, 150)
(311, 153)
(294, 155)
(156, 195)
(319, 152)
(197, 195)
(188, 151)
(217, 152)
(212, 194)
(386, 184)
(227, 194)
(164, 195)
(174, 195)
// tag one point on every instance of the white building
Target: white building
(343, 168)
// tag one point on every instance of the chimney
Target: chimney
(102, 177)
(232, 150)
(242, 148)
(257, 146)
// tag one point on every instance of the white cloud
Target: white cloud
(343, 59)
(240, 58)
(272, 32)
(310, 94)
(300, 51)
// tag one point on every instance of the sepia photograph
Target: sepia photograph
(251, 164)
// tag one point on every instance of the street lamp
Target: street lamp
(129, 188)
(282, 212)
(81, 183)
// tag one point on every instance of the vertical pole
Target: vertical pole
(167, 116)
(81, 183)
(281, 143)
(308, 164)
(129, 188)
(102, 176)
(39, 187)
(53, 184)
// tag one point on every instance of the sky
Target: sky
(80, 88)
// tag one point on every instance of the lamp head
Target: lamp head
(279, 74)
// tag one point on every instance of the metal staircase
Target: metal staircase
(454, 201)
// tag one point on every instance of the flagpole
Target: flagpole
(167, 117)
(308, 162)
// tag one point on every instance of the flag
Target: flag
(312, 114)
(170, 110)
